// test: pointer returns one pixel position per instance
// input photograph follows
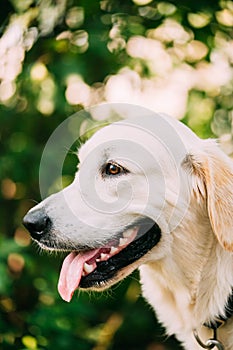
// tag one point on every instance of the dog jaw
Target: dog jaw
(76, 265)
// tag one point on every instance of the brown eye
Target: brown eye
(112, 169)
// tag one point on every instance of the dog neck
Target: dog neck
(191, 285)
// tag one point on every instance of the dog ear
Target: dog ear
(213, 171)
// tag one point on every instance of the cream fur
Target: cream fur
(188, 275)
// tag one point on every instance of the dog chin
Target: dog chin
(102, 285)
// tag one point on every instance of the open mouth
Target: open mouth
(96, 267)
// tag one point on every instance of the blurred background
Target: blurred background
(57, 57)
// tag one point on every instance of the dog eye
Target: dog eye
(113, 169)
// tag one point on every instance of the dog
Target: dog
(149, 194)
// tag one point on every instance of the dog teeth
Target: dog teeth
(88, 268)
(113, 250)
(123, 241)
(103, 256)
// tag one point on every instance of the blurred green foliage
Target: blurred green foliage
(51, 43)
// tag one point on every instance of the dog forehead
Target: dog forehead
(112, 140)
(156, 133)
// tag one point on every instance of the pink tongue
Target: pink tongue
(71, 272)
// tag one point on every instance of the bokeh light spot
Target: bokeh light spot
(38, 72)
(8, 188)
(142, 2)
(21, 237)
(75, 17)
(15, 262)
(199, 20)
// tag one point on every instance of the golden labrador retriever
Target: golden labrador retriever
(150, 194)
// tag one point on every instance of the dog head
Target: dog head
(131, 191)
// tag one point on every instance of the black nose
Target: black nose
(37, 223)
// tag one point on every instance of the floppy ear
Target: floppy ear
(215, 181)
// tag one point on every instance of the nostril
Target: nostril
(38, 226)
(37, 223)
